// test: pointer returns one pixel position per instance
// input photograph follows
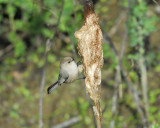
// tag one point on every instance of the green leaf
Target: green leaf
(51, 58)
(20, 48)
(19, 24)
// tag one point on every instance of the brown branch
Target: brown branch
(126, 32)
(144, 84)
(60, 14)
(116, 25)
(118, 75)
(6, 51)
(73, 48)
(115, 96)
(48, 46)
(72, 42)
(67, 123)
(91, 106)
(42, 87)
(156, 2)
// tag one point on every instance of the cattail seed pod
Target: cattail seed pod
(90, 49)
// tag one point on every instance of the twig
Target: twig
(115, 27)
(115, 96)
(60, 14)
(136, 98)
(48, 46)
(105, 108)
(72, 42)
(73, 49)
(42, 87)
(5, 51)
(144, 84)
(91, 106)
(134, 92)
(118, 78)
(48, 9)
(67, 123)
(156, 2)
(126, 32)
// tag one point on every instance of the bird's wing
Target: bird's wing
(63, 76)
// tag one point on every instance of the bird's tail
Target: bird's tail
(52, 87)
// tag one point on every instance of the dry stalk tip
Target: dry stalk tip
(90, 49)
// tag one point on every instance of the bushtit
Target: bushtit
(68, 73)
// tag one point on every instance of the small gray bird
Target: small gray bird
(68, 73)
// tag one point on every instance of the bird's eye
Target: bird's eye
(69, 61)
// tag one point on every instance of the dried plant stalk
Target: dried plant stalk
(90, 48)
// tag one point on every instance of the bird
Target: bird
(68, 73)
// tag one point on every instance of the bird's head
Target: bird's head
(67, 61)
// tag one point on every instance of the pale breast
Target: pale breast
(73, 72)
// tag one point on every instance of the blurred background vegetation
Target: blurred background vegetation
(25, 27)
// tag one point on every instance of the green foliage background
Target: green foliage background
(25, 27)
